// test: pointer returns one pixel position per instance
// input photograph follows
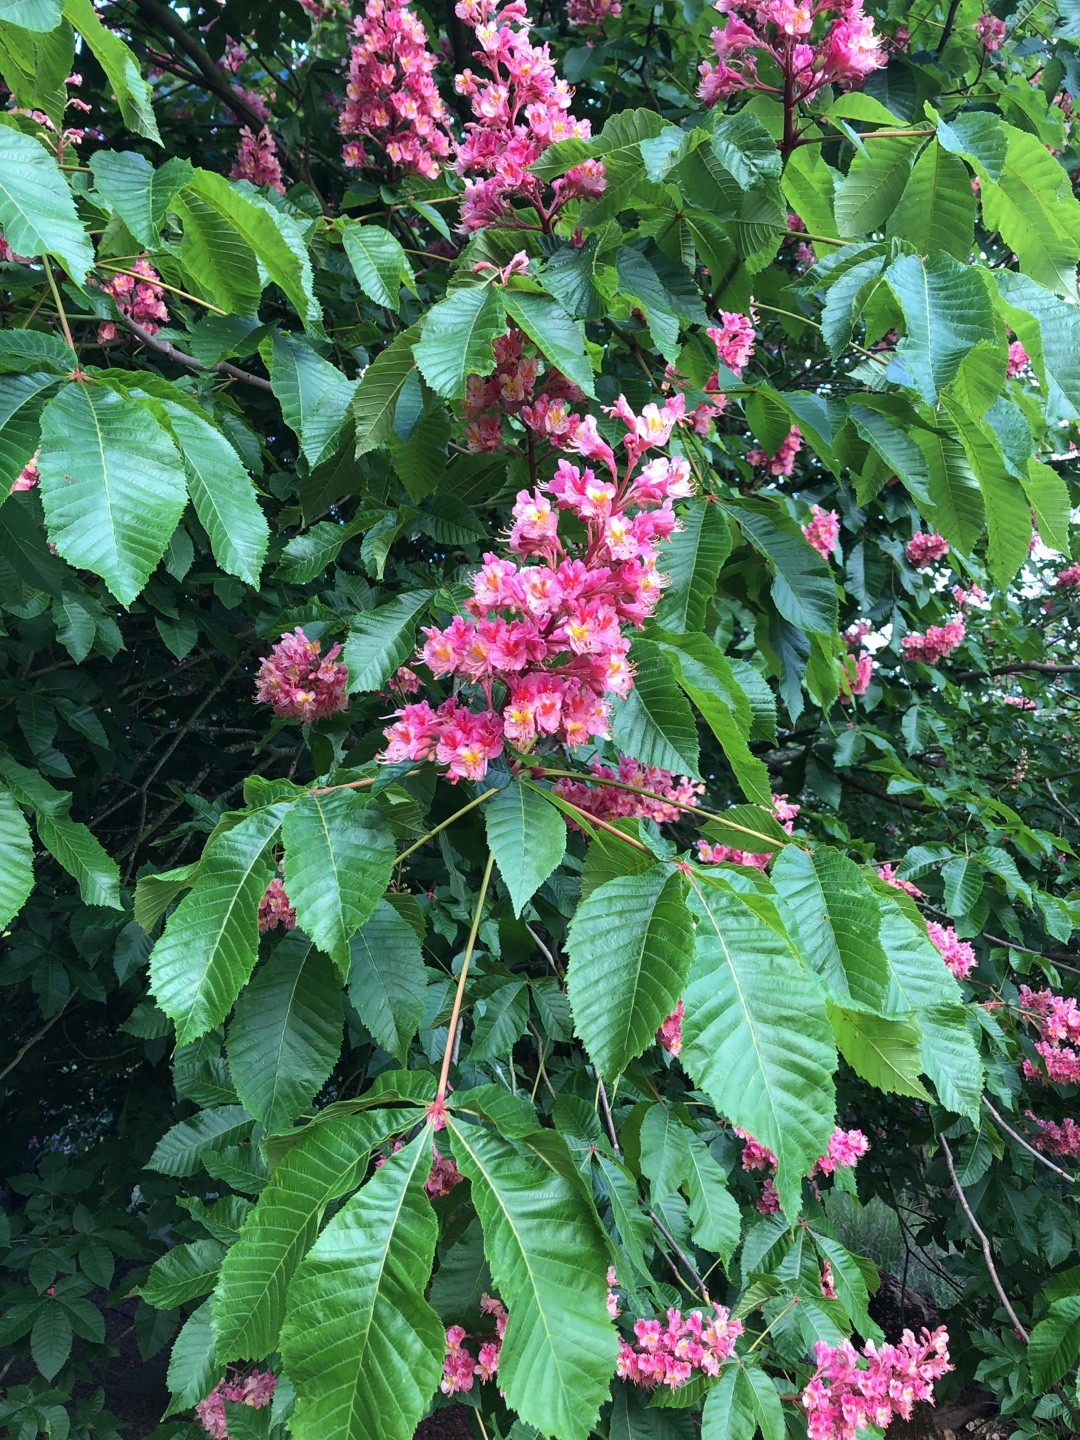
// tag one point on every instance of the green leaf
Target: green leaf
(50, 1339)
(155, 893)
(937, 210)
(631, 1221)
(577, 279)
(379, 263)
(285, 1037)
(885, 1051)
(339, 854)
(327, 1161)
(548, 1258)
(559, 339)
(747, 827)
(870, 191)
(654, 723)
(39, 15)
(619, 146)
(963, 882)
(1048, 496)
(192, 1373)
(375, 402)
(16, 859)
(112, 484)
(946, 310)
(313, 394)
(139, 194)
(219, 262)
(693, 558)
(953, 490)
(222, 493)
(35, 66)
(360, 1343)
(388, 980)
(742, 1403)
(1008, 515)
(25, 350)
(456, 337)
(756, 1037)
(527, 836)
(37, 213)
(180, 1150)
(715, 1221)
(380, 641)
(803, 587)
(211, 939)
(1055, 1343)
(1049, 329)
(120, 66)
(625, 979)
(980, 136)
(183, 1273)
(76, 849)
(1033, 209)
(21, 399)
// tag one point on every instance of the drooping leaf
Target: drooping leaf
(527, 836)
(376, 400)
(138, 193)
(937, 209)
(381, 640)
(883, 1050)
(558, 338)
(180, 1150)
(82, 856)
(692, 559)
(743, 1403)
(183, 1273)
(387, 979)
(313, 394)
(37, 213)
(947, 311)
(654, 723)
(870, 191)
(1055, 1342)
(16, 859)
(455, 338)
(379, 263)
(120, 66)
(803, 586)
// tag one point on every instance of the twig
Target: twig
(1069, 814)
(64, 326)
(38, 1035)
(170, 352)
(684, 1259)
(455, 1013)
(1018, 667)
(547, 954)
(608, 1121)
(1029, 1148)
(988, 1254)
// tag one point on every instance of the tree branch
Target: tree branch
(1029, 1148)
(1020, 667)
(170, 352)
(988, 1254)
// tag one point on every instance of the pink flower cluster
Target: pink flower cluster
(1069, 578)
(669, 1036)
(443, 1177)
(957, 954)
(1062, 1139)
(783, 810)
(846, 1149)
(1018, 361)
(257, 160)
(939, 641)
(779, 34)
(782, 461)
(885, 872)
(256, 1390)
(1058, 1019)
(297, 684)
(858, 672)
(673, 793)
(459, 1367)
(543, 643)
(27, 477)
(734, 339)
(139, 296)
(391, 99)
(991, 31)
(925, 549)
(511, 390)
(822, 531)
(520, 108)
(844, 1397)
(275, 910)
(669, 1354)
(1019, 702)
(592, 14)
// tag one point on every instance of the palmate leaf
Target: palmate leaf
(362, 1346)
(191, 1373)
(1008, 515)
(180, 1150)
(1049, 330)
(455, 338)
(527, 836)
(1033, 209)
(37, 213)
(16, 859)
(183, 1273)
(558, 338)
(327, 1161)
(953, 489)
(1055, 1342)
(112, 484)
(285, 1037)
(626, 977)
(208, 949)
(21, 400)
(387, 979)
(548, 1257)
(339, 853)
(756, 1037)
(715, 1221)
(82, 856)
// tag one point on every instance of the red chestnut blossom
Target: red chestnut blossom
(926, 548)
(734, 339)
(957, 954)
(708, 854)
(939, 641)
(257, 161)
(514, 389)
(1058, 1021)
(275, 910)
(297, 684)
(592, 14)
(392, 101)
(969, 596)
(542, 645)
(991, 31)
(609, 803)
(1062, 1139)
(256, 1390)
(858, 671)
(138, 295)
(1018, 361)
(521, 108)
(27, 477)
(613, 1307)
(1069, 578)
(778, 34)
(1020, 702)
(669, 1036)
(459, 1367)
(855, 634)
(444, 1175)
(846, 1148)
(670, 1354)
(783, 461)
(828, 1289)
(885, 872)
(822, 530)
(844, 1398)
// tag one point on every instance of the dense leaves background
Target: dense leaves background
(193, 1112)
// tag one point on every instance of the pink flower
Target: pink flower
(783, 810)
(991, 31)
(822, 530)
(139, 295)
(844, 1398)
(444, 1175)
(1062, 1139)
(297, 684)
(1020, 702)
(592, 14)
(391, 98)
(27, 477)
(828, 1289)
(957, 954)
(783, 461)
(858, 672)
(257, 161)
(255, 1390)
(275, 910)
(1018, 361)
(939, 641)
(1069, 578)
(885, 872)
(670, 1354)
(459, 1367)
(734, 339)
(925, 549)
(669, 1036)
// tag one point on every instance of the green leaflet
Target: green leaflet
(37, 213)
(624, 980)
(455, 338)
(16, 859)
(654, 723)
(388, 979)
(527, 836)
(381, 640)
(946, 311)
(379, 263)
(548, 1257)
(359, 1340)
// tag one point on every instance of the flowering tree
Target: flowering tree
(537, 769)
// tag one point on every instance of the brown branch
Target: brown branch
(37, 1035)
(170, 352)
(1069, 814)
(1020, 667)
(1042, 1159)
(988, 1254)
(898, 800)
